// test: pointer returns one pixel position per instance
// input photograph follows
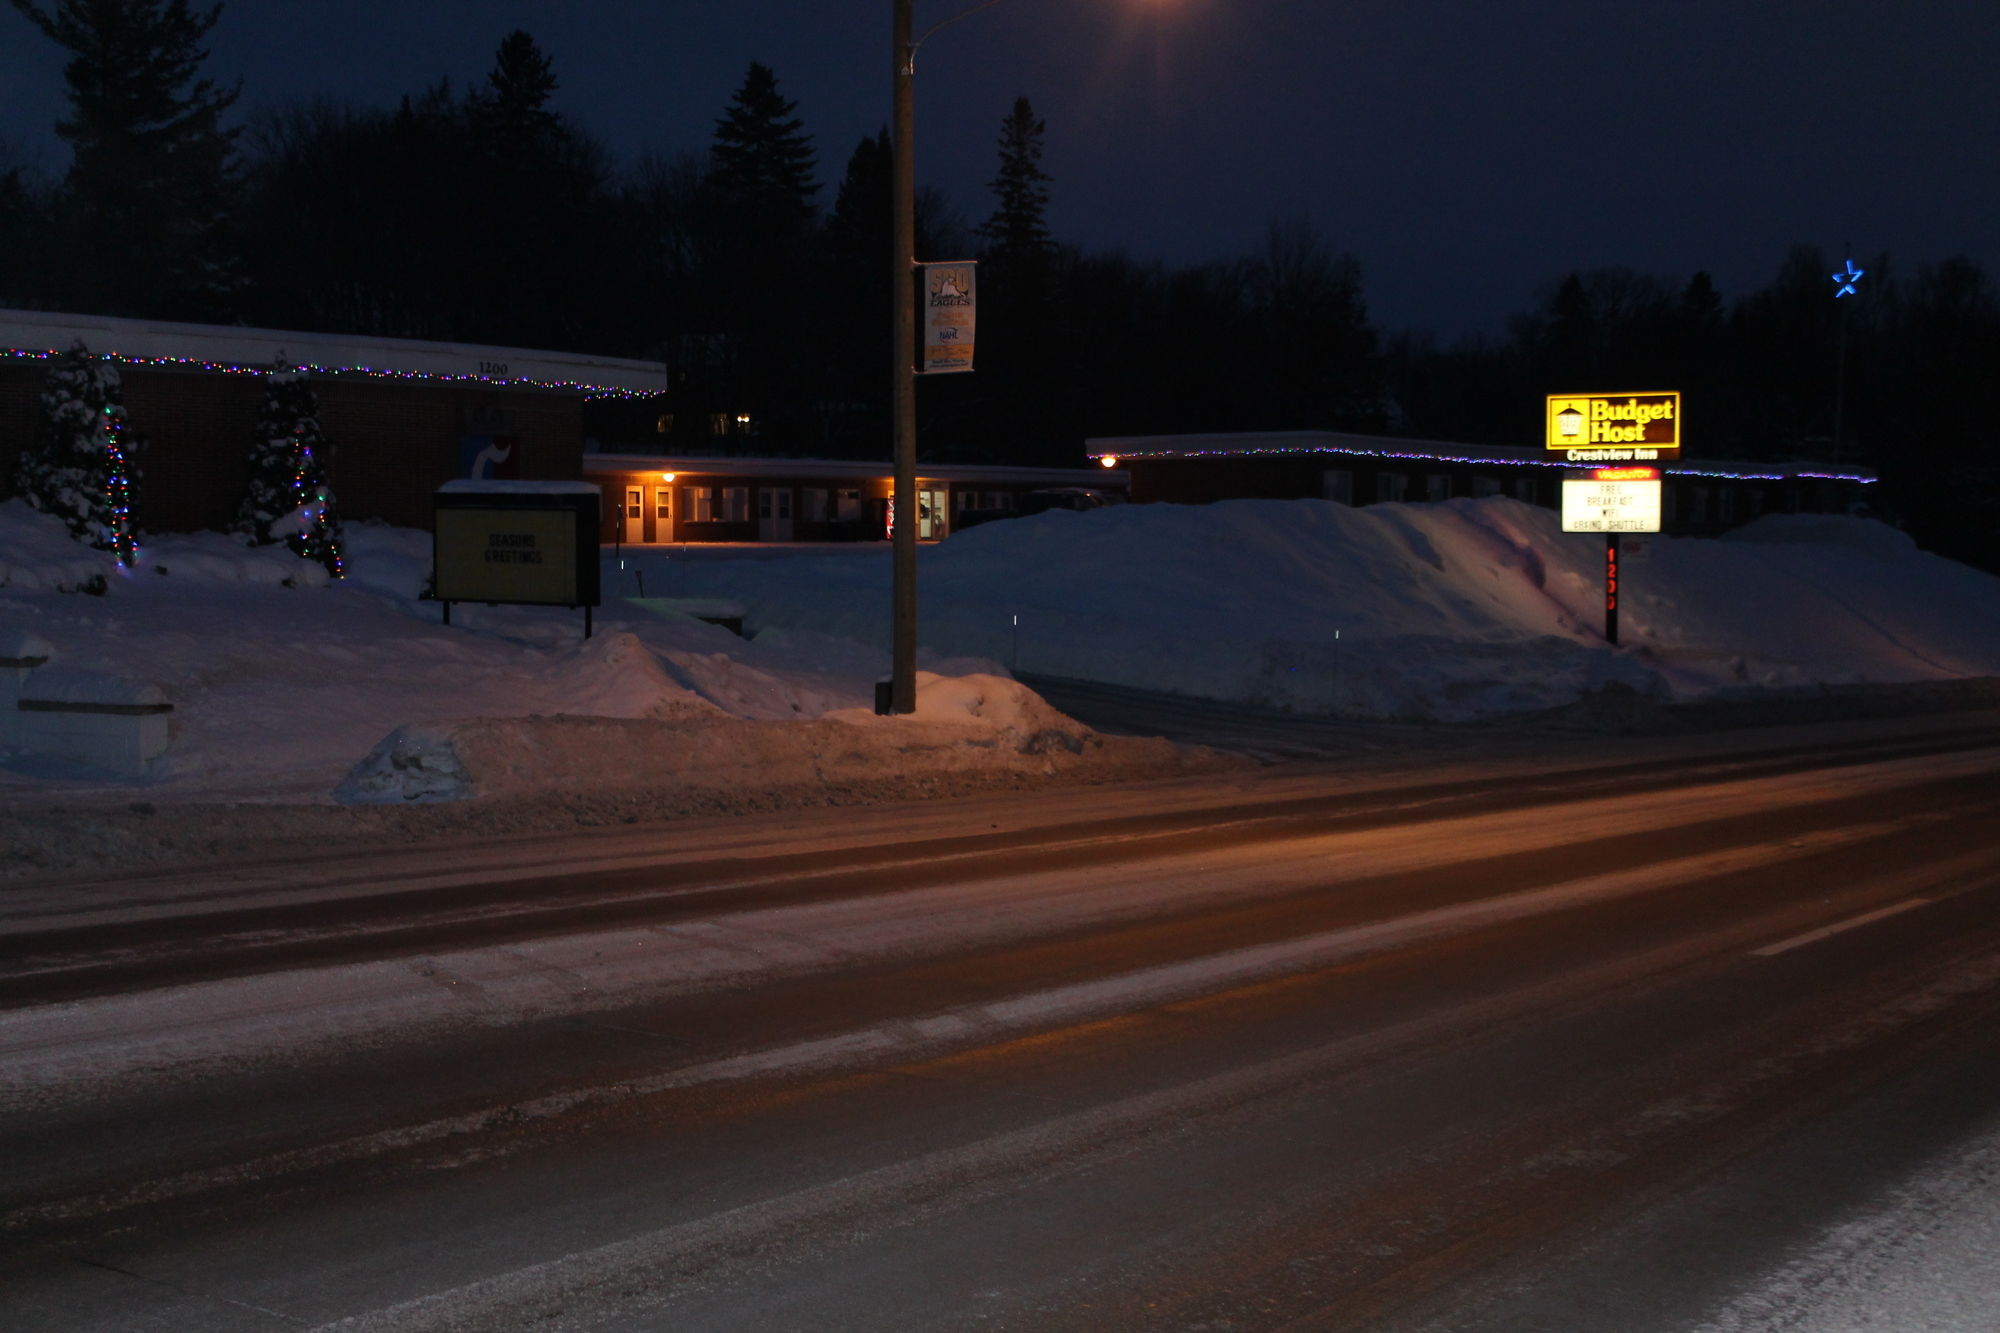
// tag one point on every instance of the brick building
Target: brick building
(404, 417)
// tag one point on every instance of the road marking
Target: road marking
(1814, 936)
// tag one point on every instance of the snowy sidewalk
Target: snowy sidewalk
(1927, 1262)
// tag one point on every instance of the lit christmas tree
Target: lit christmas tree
(289, 498)
(81, 469)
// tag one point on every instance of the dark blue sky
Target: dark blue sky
(1466, 151)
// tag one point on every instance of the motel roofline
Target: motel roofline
(833, 469)
(1296, 443)
(31, 335)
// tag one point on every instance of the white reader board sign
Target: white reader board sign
(1612, 499)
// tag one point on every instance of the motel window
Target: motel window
(1485, 486)
(665, 425)
(1391, 486)
(735, 504)
(1725, 503)
(718, 423)
(1697, 504)
(1437, 486)
(1522, 487)
(964, 500)
(698, 504)
(849, 502)
(999, 499)
(813, 505)
(1337, 485)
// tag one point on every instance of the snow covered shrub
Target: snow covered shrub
(289, 498)
(81, 469)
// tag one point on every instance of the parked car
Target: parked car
(1062, 497)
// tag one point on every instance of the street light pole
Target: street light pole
(903, 395)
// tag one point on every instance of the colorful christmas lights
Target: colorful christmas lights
(591, 392)
(1127, 455)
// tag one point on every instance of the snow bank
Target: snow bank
(62, 685)
(288, 687)
(1453, 611)
(965, 735)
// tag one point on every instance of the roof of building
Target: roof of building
(231, 349)
(830, 469)
(1277, 443)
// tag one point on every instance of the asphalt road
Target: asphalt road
(1577, 1047)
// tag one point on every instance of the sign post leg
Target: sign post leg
(1611, 588)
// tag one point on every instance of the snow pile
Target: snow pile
(1453, 611)
(289, 687)
(65, 686)
(967, 734)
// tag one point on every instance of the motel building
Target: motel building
(406, 417)
(1698, 497)
(666, 499)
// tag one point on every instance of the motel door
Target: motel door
(663, 513)
(931, 521)
(774, 514)
(635, 514)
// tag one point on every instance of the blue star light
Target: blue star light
(1847, 277)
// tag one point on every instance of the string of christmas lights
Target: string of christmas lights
(317, 539)
(1473, 460)
(118, 491)
(591, 392)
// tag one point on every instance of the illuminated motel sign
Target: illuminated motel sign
(1615, 427)
(1612, 500)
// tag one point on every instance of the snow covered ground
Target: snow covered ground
(1452, 611)
(1924, 1260)
(286, 687)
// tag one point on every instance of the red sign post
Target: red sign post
(1611, 588)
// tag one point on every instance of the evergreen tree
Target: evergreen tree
(758, 249)
(761, 159)
(150, 181)
(80, 470)
(1018, 229)
(515, 107)
(856, 290)
(289, 498)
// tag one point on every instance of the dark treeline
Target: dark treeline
(482, 214)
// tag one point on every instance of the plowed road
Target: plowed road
(1578, 1044)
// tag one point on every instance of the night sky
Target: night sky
(1465, 151)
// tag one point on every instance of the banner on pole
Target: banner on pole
(948, 296)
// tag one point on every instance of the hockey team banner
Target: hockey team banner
(947, 291)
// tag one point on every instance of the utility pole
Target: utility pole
(903, 395)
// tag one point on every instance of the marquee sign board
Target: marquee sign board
(1612, 500)
(521, 543)
(1615, 427)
